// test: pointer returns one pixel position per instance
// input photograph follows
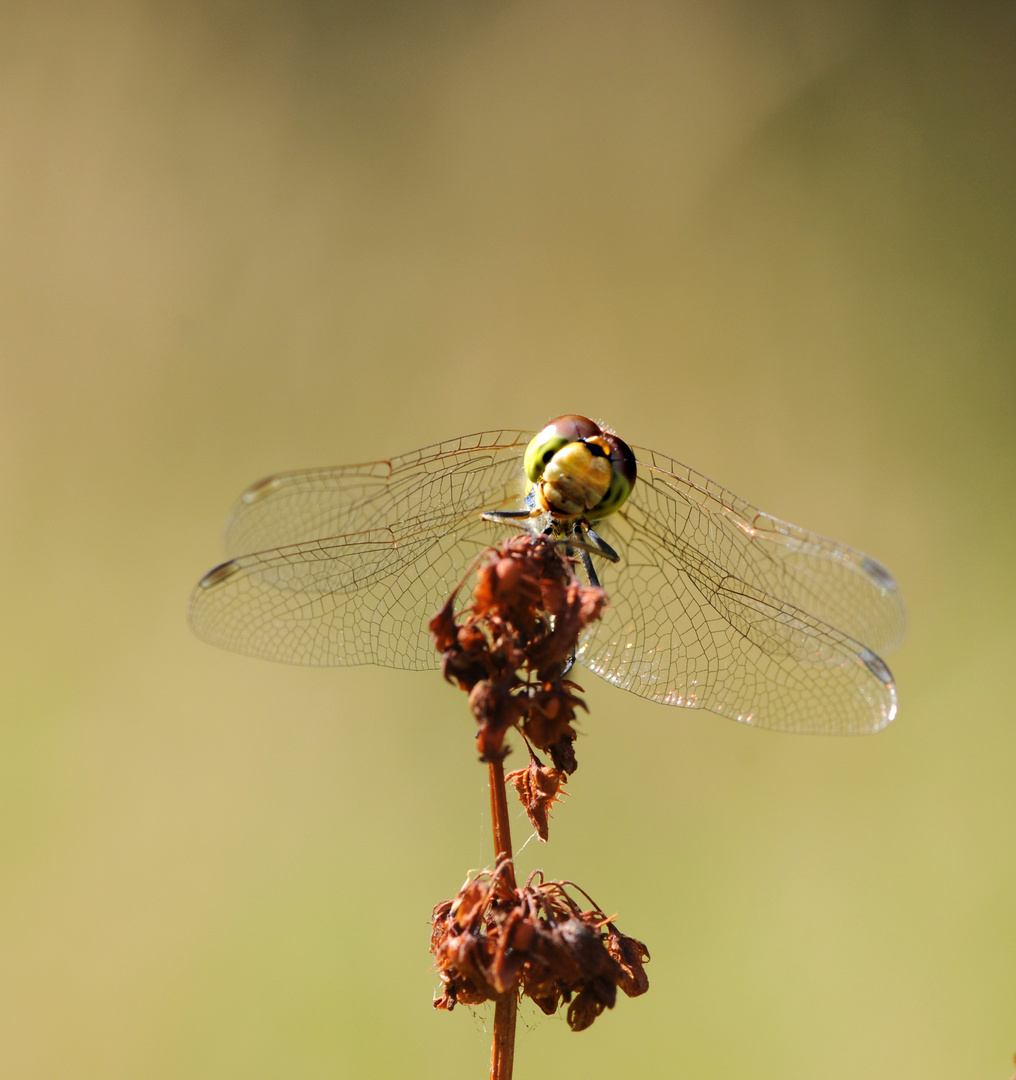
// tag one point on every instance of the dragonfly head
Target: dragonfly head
(578, 470)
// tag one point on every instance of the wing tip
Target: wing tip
(878, 667)
(218, 574)
(260, 490)
(879, 575)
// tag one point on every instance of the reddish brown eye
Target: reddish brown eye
(575, 428)
(622, 458)
(554, 437)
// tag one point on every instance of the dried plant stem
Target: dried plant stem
(502, 1051)
(499, 821)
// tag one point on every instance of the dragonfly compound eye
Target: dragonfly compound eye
(555, 436)
(622, 479)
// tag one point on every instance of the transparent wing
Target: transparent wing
(833, 582)
(447, 480)
(718, 606)
(361, 594)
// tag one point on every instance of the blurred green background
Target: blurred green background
(773, 240)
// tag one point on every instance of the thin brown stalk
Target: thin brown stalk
(502, 1050)
(499, 821)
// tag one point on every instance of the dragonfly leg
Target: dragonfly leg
(578, 545)
(509, 515)
(587, 565)
(601, 546)
(525, 518)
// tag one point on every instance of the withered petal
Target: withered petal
(562, 753)
(548, 1004)
(632, 956)
(442, 626)
(584, 1010)
(538, 788)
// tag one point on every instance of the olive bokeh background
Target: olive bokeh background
(775, 240)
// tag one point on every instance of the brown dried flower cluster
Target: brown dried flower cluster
(514, 643)
(493, 939)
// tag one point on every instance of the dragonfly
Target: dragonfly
(712, 603)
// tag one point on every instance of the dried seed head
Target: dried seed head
(510, 648)
(538, 788)
(491, 940)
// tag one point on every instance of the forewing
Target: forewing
(834, 583)
(365, 596)
(467, 474)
